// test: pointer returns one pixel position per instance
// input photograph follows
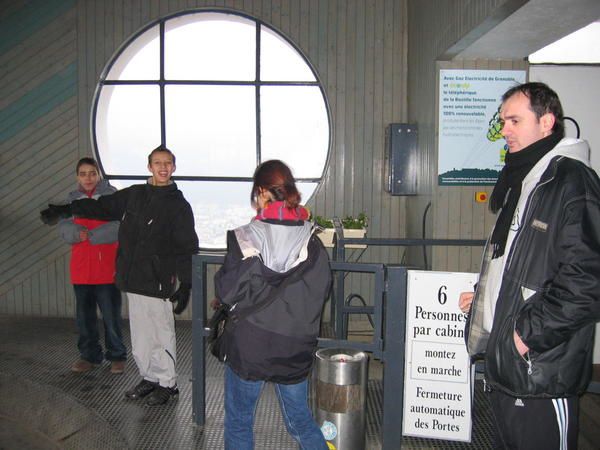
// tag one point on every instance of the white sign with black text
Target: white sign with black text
(437, 372)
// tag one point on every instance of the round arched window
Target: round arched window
(224, 92)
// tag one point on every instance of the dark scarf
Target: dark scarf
(507, 191)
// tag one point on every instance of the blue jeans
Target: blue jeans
(241, 397)
(108, 299)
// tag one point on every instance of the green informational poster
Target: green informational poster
(471, 148)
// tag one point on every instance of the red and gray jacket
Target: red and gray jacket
(283, 266)
(92, 261)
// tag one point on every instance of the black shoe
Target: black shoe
(143, 388)
(161, 395)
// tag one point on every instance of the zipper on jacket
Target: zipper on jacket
(529, 365)
(527, 359)
(485, 386)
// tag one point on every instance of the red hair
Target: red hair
(276, 177)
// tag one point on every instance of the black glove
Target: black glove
(52, 214)
(217, 322)
(181, 298)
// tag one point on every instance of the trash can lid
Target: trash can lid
(344, 357)
(341, 355)
(342, 366)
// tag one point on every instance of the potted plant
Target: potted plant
(353, 227)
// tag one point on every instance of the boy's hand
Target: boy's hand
(181, 298)
(52, 214)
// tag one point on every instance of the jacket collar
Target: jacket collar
(577, 149)
(172, 186)
(101, 188)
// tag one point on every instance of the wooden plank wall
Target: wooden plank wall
(39, 144)
(433, 28)
(358, 48)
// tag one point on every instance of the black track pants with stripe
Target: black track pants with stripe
(532, 424)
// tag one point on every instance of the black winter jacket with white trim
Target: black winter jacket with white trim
(550, 287)
(156, 237)
(277, 342)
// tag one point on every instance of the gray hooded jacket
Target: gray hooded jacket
(276, 278)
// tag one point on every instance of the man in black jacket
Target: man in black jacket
(156, 243)
(533, 314)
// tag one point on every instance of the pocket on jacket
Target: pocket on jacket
(164, 274)
(142, 275)
(510, 368)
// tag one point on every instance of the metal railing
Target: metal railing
(389, 322)
(340, 310)
(389, 296)
(388, 314)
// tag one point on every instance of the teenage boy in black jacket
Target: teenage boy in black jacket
(156, 243)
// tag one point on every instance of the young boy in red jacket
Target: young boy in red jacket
(93, 254)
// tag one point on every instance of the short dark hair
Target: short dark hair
(160, 148)
(276, 177)
(87, 161)
(542, 100)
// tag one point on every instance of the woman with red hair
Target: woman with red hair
(275, 280)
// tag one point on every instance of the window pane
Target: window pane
(127, 127)
(212, 129)
(210, 46)
(218, 207)
(279, 61)
(295, 128)
(140, 60)
(306, 189)
(215, 214)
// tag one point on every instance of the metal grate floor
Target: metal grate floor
(88, 411)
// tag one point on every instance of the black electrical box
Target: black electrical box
(400, 166)
(401, 159)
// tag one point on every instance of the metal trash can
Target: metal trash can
(340, 394)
